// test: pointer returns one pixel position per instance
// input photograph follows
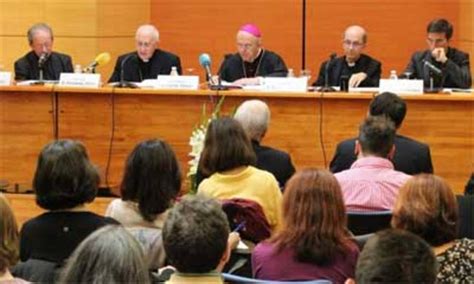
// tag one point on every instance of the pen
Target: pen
(239, 226)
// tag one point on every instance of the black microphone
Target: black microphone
(42, 59)
(433, 68)
(326, 87)
(123, 83)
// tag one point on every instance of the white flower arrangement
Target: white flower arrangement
(196, 141)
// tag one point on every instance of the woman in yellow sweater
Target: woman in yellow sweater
(228, 159)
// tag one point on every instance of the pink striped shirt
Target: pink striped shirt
(371, 184)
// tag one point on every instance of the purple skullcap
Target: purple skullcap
(251, 29)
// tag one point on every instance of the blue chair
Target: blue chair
(230, 278)
(362, 223)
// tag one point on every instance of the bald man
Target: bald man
(252, 60)
(361, 70)
(148, 61)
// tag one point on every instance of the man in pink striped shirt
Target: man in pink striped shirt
(372, 184)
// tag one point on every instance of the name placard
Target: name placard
(285, 84)
(82, 80)
(5, 78)
(177, 82)
(401, 86)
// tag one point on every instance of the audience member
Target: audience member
(427, 207)
(360, 69)
(252, 60)
(395, 256)
(148, 61)
(453, 63)
(228, 159)
(254, 116)
(109, 255)
(151, 182)
(372, 184)
(411, 156)
(469, 188)
(64, 181)
(42, 57)
(313, 242)
(197, 240)
(8, 243)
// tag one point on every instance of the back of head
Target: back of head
(152, 178)
(376, 136)
(314, 217)
(427, 207)
(254, 116)
(389, 105)
(226, 147)
(109, 255)
(36, 27)
(396, 256)
(195, 235)
(64, 176)
(8, 236)
(440, 26)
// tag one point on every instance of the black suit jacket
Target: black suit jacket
(274, 161)
(26, 68)
(365, 63)
(271, 65)
(456, 71)
(411, 157)
(161, 63)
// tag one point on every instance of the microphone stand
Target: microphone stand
(431, 89)
(123, 83)
(326, 88)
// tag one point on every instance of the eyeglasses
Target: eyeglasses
(245, 46)
(436, 40)
(354, 44)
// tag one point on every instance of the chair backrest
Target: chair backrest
(239, 210)
(230, 278)
(361, 223)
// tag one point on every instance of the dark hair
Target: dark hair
(8, 236)
(36, 27)
(389, 105)
(109, 255)
(64, 176)
(396, 256)
(376, 135)
(440, 26)
(195, 234)
(152, 178)
(426, 206)
(314, 218)
(226, 147)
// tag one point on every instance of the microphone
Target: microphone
(433, 68)
(123, 83)
(42, 59)
(326, 87)
(205, 62)
(100, 60)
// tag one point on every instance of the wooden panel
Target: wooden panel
(190, 27)
(26, 125)
(24, 206)
(395, 28)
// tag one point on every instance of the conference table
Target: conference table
(111, 121)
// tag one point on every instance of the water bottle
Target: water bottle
(77, 68)
(393, 75)
(174, 71)
(291, 73)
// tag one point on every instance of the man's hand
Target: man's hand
(439, 55)
(233, 240)
(356, 79)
